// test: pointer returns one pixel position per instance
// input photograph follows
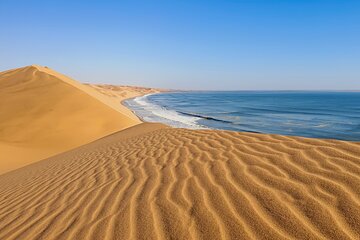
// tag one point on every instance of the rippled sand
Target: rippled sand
(154, 182)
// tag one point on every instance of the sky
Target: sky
(199, 45)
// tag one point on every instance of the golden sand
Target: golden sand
(44, 113)
(150, 181)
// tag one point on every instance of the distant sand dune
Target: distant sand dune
(153, 182)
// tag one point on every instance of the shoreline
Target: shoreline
(161, 118)
(119, 94)
(168, 117)
(122, 102)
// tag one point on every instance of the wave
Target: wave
(205, 117)
(151, 112)
(219, 120)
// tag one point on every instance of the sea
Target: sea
(331, 115)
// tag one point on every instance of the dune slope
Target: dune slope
(43, 113)
(151, 182)
(117, 94)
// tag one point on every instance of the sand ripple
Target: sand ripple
(184, 184)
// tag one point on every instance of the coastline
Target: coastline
(155, 113)
(132, 179)
(285, 114)
(122, 102)
(119, 94)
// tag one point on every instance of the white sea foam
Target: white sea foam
(151, 112)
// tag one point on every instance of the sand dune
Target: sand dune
(153, 182)
(123, 92)
(43, 113)
(117, 94)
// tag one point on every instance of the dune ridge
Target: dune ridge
(44, 113)
(154, 182)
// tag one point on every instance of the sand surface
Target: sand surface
(117, 94)
(154, 182)
(43, 113)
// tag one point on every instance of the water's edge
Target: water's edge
(305, 114)
(147, 111)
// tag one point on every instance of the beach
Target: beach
(76, 164)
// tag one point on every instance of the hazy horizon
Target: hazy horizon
(189, 45)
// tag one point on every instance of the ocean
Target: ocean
(334, 115)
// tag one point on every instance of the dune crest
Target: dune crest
(44, 113)
(151, 182)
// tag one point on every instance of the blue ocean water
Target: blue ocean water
(334, 115)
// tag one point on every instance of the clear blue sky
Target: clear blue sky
(227, 45)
